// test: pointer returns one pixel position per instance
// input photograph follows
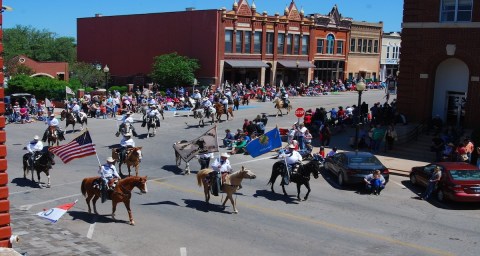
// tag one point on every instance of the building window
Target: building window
(238, 41)
(281, 43)
(305, 44)
(359, 45)
(228, 41)
(388, 52)
(319, 45)
(364, 46)
(370, 43)
(296, 44)
(257, 42)
(330, 43)
(289, 44)
(456, 10)
(270, 38)
(375, 46)
(248, 41)
(339, 47)
(352, 44)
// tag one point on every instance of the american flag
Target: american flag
(79, 147)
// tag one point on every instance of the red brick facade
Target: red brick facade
(431, 48)
(58, 70)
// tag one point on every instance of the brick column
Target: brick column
(5, 229)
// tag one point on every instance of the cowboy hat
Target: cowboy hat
(205, 98)
(128, 134)
(110, 159)
(36, 137)
(153, 106)
(291, 146)
(52, 115)
(225, 155)
(196, 90)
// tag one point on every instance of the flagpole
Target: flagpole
(96, 154)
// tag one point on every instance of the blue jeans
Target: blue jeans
(430, 188)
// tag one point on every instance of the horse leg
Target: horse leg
(299, 184)
(114, 208)
(38, 176)
(48, 178)
(128, 168)
(207, 192)
(87, 199)
(136, 169)
(94, 202)
(130, 215)
(283, 188)
(120, 169)
(307, 185)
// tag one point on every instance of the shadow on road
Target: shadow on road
(21, 182)
(162, 203)
(204, 207)
(172, 168)
(93, 218)
(289, 199)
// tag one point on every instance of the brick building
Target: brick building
(440, 64)
(57, 70)
(239, 44)
(390, 57)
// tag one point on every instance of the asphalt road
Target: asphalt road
(173, 219)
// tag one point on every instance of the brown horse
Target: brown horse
(133, 158)
(121, 193)
(232, 182)
(221, 111)
(279, 105)
(52, 137)
(43, 164)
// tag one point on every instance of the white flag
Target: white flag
(47, 103)
(54, 214)
(69, 91)
(201, 145)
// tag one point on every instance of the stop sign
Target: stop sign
(300, 112)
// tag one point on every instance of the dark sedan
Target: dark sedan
(460, 181)
(352, 167)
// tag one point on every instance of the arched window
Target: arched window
(330, 43)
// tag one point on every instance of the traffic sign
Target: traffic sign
(300, 112)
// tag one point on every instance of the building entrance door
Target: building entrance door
(455, 108)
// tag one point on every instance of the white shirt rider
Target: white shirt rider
(76, 108)
(221, 164)
(153, 112)
(127, 119)
(206, 103)
(196, 96)
(108, 171)
(34, 146)
(127, 141)
(52, 122)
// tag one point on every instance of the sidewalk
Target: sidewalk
(40, 237)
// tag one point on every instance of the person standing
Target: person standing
(432, 183)
(204, 160)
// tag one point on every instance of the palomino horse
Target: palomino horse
(201, 115)
(133, 158)
(279, 105)
(301, 177)
(121, 193)
(71, 120)
(232, 183)
(52, 136)
(221, 111)
(42, 164)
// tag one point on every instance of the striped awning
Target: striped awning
(246, 64)
(293, 64)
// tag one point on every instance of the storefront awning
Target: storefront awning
(246, 64)
(293, 64)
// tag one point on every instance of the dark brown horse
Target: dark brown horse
(52, 136)
(301, 177)
(43, 164)
(121, 193)
(71, 119)
(221, 111)
(133, 158)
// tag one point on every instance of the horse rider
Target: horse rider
(127, 121)
(152, 113)
(107, 172)
(228, 94)
(206, 105)
(224, 102)
(284, 97)
(52, 121)
(221, 167)
(34, 148)
(76, 110)
(151, 101)
(126, 143)
(197, 97)
(292, 159)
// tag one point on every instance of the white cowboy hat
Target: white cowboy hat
(110, 159)
(196, 90)
(128, 134)
(52, 115)
(205, 98)
(36, 137)
(153, 106)
(129, 113)
(291, 146)
(225, 155)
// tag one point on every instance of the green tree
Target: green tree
(40, 45)
(87, 74)
(171, 70)
(39, 86)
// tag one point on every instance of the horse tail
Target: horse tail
(276, 166)
(84, 187)
(201, 175)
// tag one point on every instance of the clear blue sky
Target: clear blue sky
(60, 16)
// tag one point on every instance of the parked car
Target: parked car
(352, 167)
(460, 181)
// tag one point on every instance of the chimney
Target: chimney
(189, 9)
(98, 15)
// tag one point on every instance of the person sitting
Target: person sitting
(76, 110)
(52, 121)
(227, 141)
(292, 159)
(284, 97)
(332, 152)
(107, 173)
(126, 143)
(152, 113)
(238, 145)
(127, 122)
(197, 97)
(221, 167)
(374, 182)
(206, 105)
(34, 148)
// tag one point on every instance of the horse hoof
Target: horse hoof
(48, 186)
(132, 223)
(235, 212)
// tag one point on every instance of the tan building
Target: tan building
(365, 48)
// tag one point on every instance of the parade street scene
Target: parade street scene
(239, 127)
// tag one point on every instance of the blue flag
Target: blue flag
(265, 143)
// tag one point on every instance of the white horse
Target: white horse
(201, 115)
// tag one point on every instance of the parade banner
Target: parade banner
(206, 143)
(265, 143)
(54, 214)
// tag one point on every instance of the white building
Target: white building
(390, 58)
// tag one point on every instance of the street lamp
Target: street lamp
(106, 70)
(360, 87)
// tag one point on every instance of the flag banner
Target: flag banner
(201, 145)
(47, 103)
(54, 214)
(264, 143)
(79, 147)
(69, 91)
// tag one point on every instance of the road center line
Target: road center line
(27, 207)
(92, 228)
(183, 251)
(254, 160)
(37, 189)
(325, 224)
